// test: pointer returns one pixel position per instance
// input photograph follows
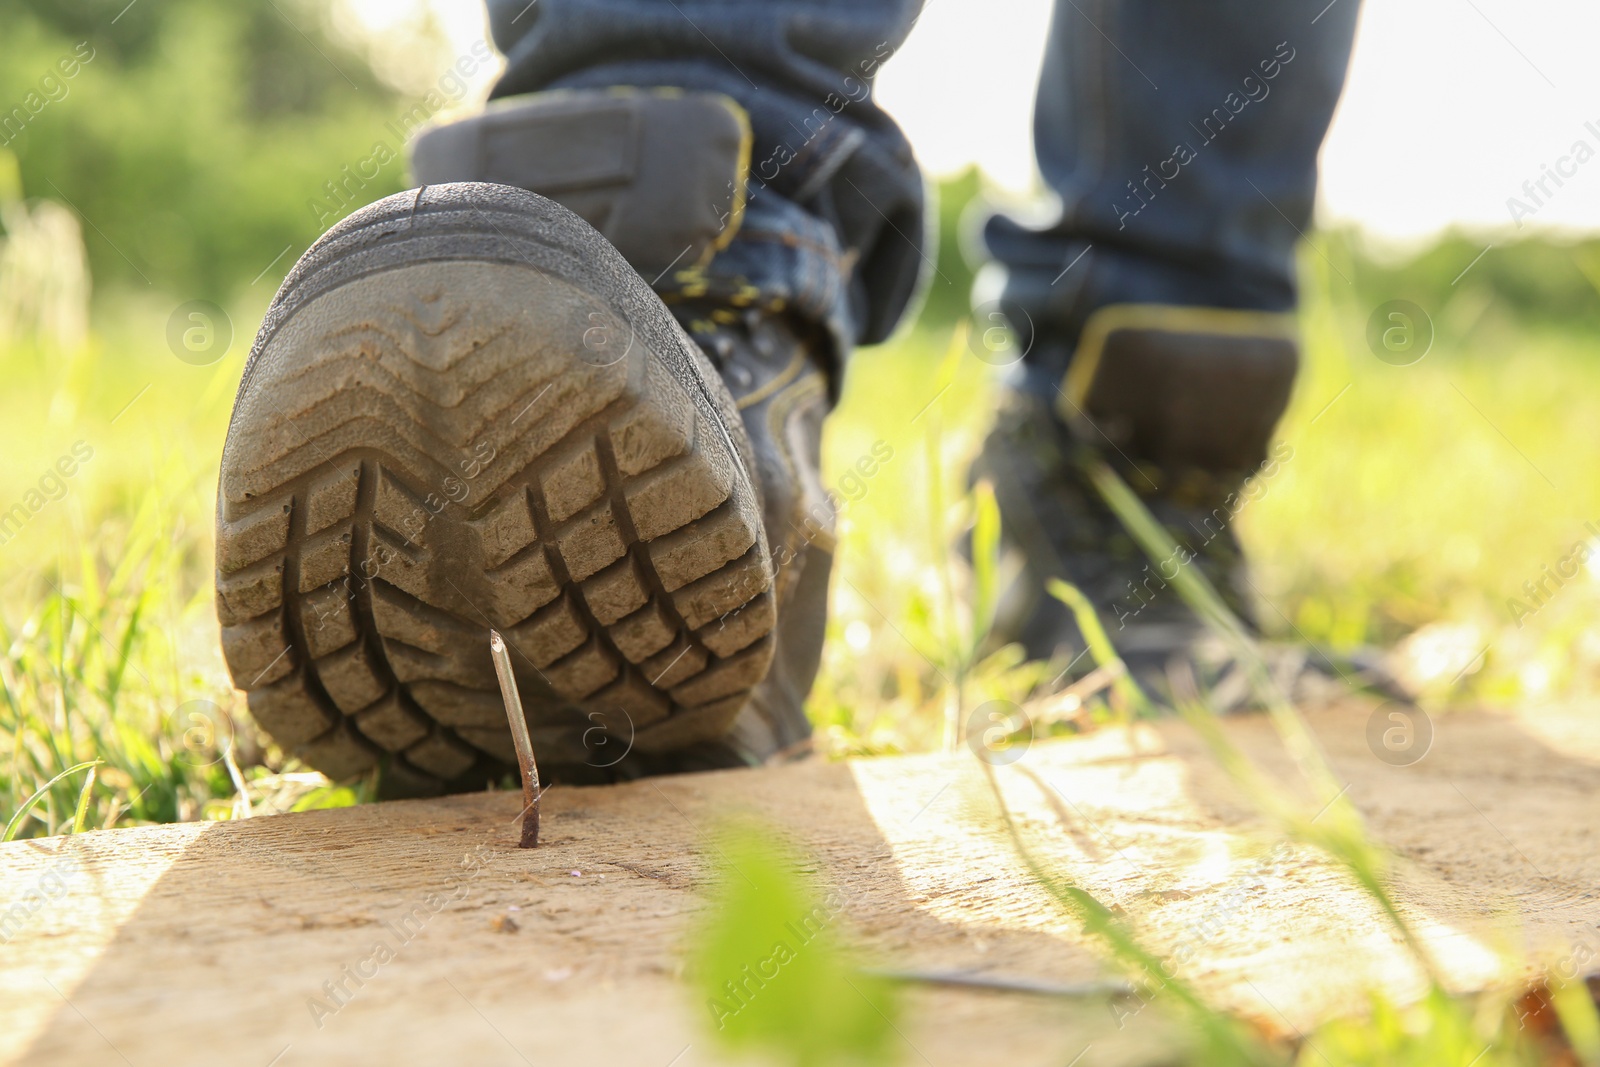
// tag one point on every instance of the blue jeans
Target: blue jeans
(1181, 139)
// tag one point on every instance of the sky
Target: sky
(1450, 107)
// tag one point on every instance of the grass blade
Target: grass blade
(1344, 836)
(1197, 592)
(1576, 1010)
(83, 799)
(1100, 646)
(985, 562)
(1228, 1041)
(27, 805)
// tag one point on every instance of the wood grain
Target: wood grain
(212, 943)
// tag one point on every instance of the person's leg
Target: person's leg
(833, 219)
(821, 248)
(506, 427)
(1181, 140)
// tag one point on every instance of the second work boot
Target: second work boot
(1181, 402)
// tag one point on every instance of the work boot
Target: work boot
(664, 175)
(553, 453)
(465, 410)
(1181, 402)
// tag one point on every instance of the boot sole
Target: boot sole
(463, 411)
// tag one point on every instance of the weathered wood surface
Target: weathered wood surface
(211, 943)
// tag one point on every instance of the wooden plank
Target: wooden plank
(221, 943)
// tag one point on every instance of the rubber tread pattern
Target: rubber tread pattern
(425, 444)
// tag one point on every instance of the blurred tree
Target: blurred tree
(193, 138)
(292, 65)
(44, 280)
(1537, 278)
(205, 145)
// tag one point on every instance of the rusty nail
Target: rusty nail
(519, 738)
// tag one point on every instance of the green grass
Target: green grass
(1420, 505)
(1417, 501)
(107, 628)
(1431, 493)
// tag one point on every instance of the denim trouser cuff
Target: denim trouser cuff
(833, 228)
(782, 260)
